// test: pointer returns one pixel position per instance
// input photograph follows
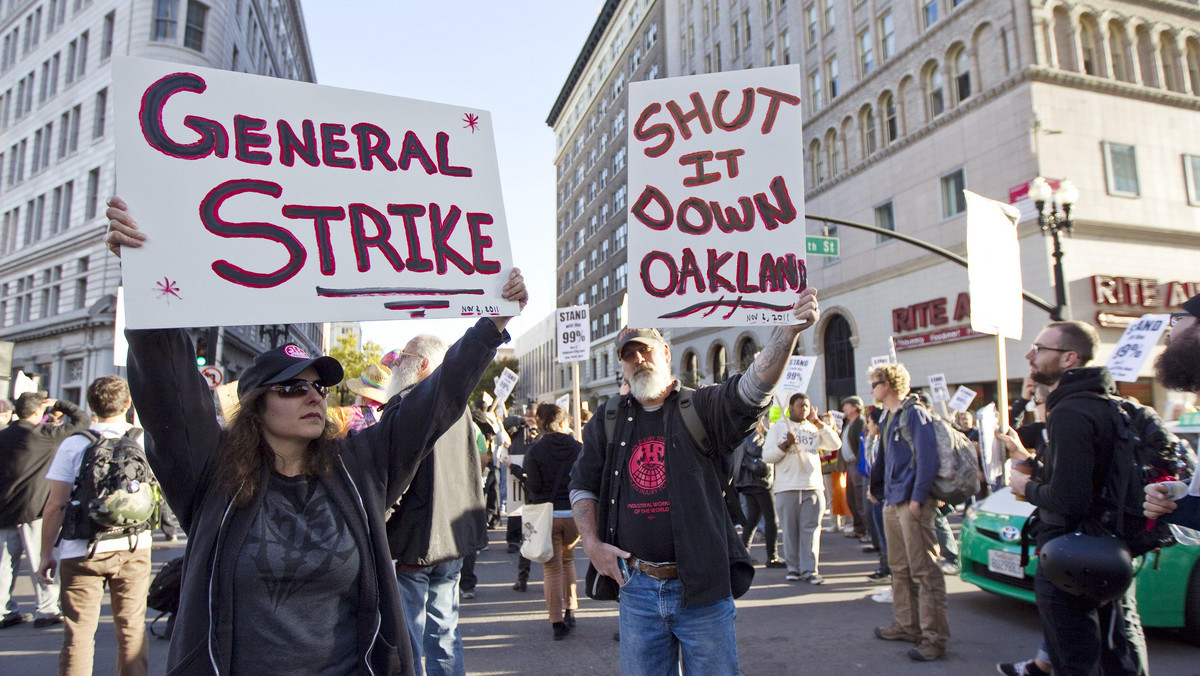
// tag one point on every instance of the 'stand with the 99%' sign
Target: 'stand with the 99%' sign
(574, 339)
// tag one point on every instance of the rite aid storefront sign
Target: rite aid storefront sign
(1138, 294)
(950, 321)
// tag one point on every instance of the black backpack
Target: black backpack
(115, 493)
(164, 593)
(1144, 452)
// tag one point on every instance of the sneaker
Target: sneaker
(870, 549)
(816, 579)
(884, 596)
(521, 585)
(866, 540)
(949, 568)
(513, 549)
(848, 531)
(792, 577)
(894, 632)
(879, 576)
(13, 619)
(468, 594)
(925, 652)
(1025, 668)
(48, 621)
(776, 563)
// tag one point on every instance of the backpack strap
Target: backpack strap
(691, 419)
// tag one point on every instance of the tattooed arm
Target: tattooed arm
(602, 555)
(764, 375)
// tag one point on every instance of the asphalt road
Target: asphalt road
(783, 628)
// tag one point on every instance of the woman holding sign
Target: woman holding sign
(287, 565)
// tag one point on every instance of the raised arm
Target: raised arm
(767, 370)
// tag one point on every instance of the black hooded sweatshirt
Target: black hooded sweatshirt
(1081, 428)
(547, 460)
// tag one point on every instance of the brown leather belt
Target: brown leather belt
(661, 571)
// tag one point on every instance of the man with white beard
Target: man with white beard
(439, 519)
(649, 506)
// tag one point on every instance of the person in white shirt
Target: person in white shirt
(794, 446)
(123, 562)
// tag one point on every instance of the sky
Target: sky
(510, 57)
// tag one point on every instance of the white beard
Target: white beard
(650, 383)
(405, 377)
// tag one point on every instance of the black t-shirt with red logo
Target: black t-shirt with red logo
(645, 516)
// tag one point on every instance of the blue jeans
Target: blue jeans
(656, 631)
(430, 599)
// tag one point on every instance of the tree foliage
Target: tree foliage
(354, 360)
(493, 371)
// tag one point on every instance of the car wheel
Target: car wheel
(1191, 609)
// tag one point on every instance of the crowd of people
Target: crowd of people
(354, 531)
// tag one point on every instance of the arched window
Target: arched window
(831, 147)
(1093, 50)
(720, 368)
(818, 164)
(746, 354)
(1169, 57)
(1193, 64)
(1064, 40)
(866, 122)
(962, 76)
(839, 361)
(691, 370)
(891, 125)
(935, 91)
(1146, 56)
(1119, 48)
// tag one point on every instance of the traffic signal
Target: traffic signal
(201, 351)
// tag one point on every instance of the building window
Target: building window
(885, 219)
(810, 24)
(106, 37)
(929, 12)
(866, 53)
(1191, 172)
(887, 36)
(962, 76)
(953, 200)
(620, 277)
(815, 91)
(891, 124)
(619, 237)
(101, 110)
(93, 194)
(786, 39)
(828, 15)
(831, 69)
(165, 19)
(193, 34)
(720, 366)
(818, 164)
(867, 123)
(935, 91)
(832, 147)
(1120, 163)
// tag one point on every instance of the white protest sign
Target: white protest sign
(962, 399)
(994, 267)
(892, 350)
(1135, 347)
(120, 345)
(487, 400)
(564, 402)
(937, 385)
(716, 195)
(23, 383)
(505, 384)
(880, 360)
(986, 421)
(574, 334)
(271, 201)
(839, 419)
(799, 372)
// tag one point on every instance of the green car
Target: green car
(1168, 583)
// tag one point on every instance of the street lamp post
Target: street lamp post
(1055, 220)
(275, 332)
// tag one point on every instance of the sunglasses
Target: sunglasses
(1176, 316)
(876, 384)
(298, 387)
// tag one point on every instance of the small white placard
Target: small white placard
(564, 402)
(962, 399)
(505, 384)
(574, 341)
(881, 360)
(1135, 347)
(937, 384)
(799, 372)
(838, 418)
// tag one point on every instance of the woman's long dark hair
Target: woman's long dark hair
(245, 453)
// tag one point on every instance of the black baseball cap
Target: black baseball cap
(1192, 306)
(645, 336)
(285, 363)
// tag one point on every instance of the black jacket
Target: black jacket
(441, 516)
(26, 451)
(548, 459)
(699, 520)
(1068, 479)
(373, 469)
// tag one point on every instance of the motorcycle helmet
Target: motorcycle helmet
(1099, 567)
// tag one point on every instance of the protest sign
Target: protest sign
(120, 345)
(1135, 346)
(962, 399)
(986, 421)
(716, 195)
(798, 374)
(892, 350)
(937, 385)
(23, 383)
(838, 418)
(994, 267)
(564, 402)
(272, 201)
(574, 340)
(505, 384)
(881, 360)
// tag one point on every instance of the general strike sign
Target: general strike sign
(716, 189)
(272, 201)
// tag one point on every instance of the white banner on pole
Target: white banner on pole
(272, 201)
(962, 399)
(505, 384)
(716, 199)
(564, 402)
(1135, 346)
(798, 374)
(937, 385)
(986, 421)
(574, 334)
(994, 267)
